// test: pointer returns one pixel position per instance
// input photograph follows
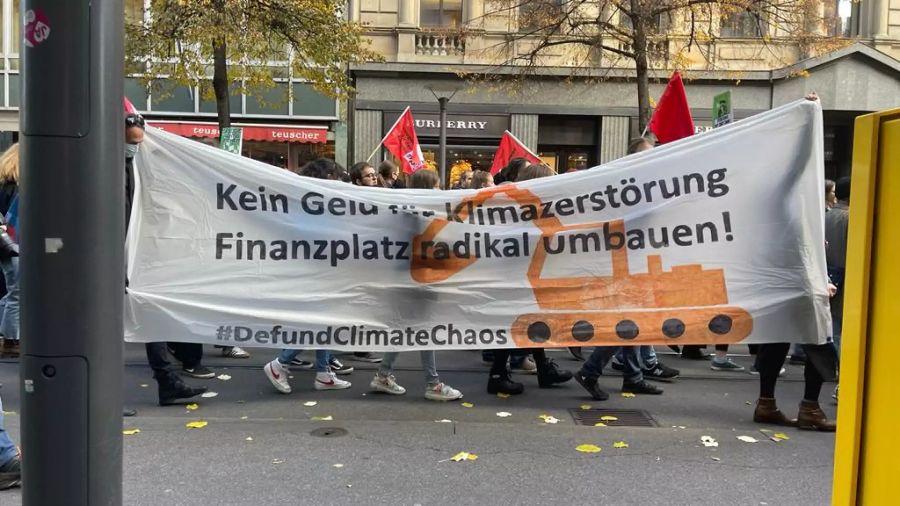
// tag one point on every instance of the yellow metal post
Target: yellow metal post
(867, 455)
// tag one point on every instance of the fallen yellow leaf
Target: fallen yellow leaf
(620, 444)
(599, 424)
(322, 418)
(781, 435)
(464, 456)
(131, 432)
(627, 395)
(467, 405)
(502, 395)
(607, 418)
(585, 407)
(192, 407)
(588, 448)
(549, 419)
(199, 424)
(338, 465)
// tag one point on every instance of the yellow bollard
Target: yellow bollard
(867, 452)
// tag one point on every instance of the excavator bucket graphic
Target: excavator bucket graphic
(687, 304)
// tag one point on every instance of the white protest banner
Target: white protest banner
(717, 238)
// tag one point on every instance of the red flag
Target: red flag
(402, 142)
(510, 147)
(672, 119)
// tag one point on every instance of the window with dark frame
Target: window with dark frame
(440, 13)
(743, 23)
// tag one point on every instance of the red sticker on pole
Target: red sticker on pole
(37, 28)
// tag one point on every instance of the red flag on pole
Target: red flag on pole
(129, 107)
(402, 142)
(672, 119)
(511, 147)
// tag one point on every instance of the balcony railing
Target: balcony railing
(440, 44)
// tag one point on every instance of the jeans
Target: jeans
(9, 325)
(594, 365)
(7, 448)
(647, 355)
(322, 358)
(837, 321)
(428, 365)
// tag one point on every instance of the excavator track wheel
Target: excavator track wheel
(583, 331)
(539, 332)
(720, 324)
(673, 327)
(627, 329)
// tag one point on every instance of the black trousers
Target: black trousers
(189, 354)
(821, 366)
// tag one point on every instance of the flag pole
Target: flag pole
(530, 152)
(377, 147)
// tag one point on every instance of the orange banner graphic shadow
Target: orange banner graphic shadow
(687, 304)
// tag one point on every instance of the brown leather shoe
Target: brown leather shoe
(811, 417)
(10, 348)
(767, 412)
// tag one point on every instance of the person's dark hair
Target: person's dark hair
(511, 171)
(635, 144)
(534, 171)
(322, 168)
(386, 169)
(424, 179)
(842, 189)
(479, 179)
(356, 172)
(134, 120)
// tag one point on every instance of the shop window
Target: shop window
(15, 34)
(309, 102)
(440, 13)
(172, 98)
(208, 105)
(273, 101)
(136, 93)
(742, 23)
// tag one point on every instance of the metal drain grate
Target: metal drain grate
(624, 417)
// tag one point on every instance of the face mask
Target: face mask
(131, 150)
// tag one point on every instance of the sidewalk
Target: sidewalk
(394, 451)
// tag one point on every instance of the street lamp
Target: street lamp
(443, 94)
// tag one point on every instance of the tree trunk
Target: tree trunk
(639, 24)
(220, 83)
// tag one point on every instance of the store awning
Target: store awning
(269, 133)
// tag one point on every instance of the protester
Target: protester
(830, 195)
(384, 380)
(821, 365)
(10, 460)
(389, 173)
(363, 174)
(170, 387)
(481, 179)
(464, 181)
(548, 373)
(9, 304)
(837, 222)
(277, 370)
(510, 173)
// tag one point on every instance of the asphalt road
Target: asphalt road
(259, 447)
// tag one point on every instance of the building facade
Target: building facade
(580, 119)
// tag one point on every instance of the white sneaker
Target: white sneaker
(328, 381)
(235, 352)
(277, 374)
(527, 366)
(386, 384)
(442, 392)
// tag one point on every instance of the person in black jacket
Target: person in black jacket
(171, 387)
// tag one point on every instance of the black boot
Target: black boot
(549, 374)
(172, 388)
(501, 383)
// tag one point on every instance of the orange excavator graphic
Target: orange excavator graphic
(687, 305)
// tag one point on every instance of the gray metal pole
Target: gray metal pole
(72, 252)
(442, 141)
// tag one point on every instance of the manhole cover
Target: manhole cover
(623, 417)
(329, 432)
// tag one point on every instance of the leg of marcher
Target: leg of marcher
(190, 355)
(632, 376)
(811, 416)
(592, 369)
(549, 374)
(435, 389)
(721, 362)
(653, 368)
(499, 381)
(10, 464)
(325, 377)
(770, 358)
(384, 380)
(9, 327)
(171, 387)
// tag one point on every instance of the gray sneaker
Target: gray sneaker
(11, 474)
(386, 384)
(727, 365)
